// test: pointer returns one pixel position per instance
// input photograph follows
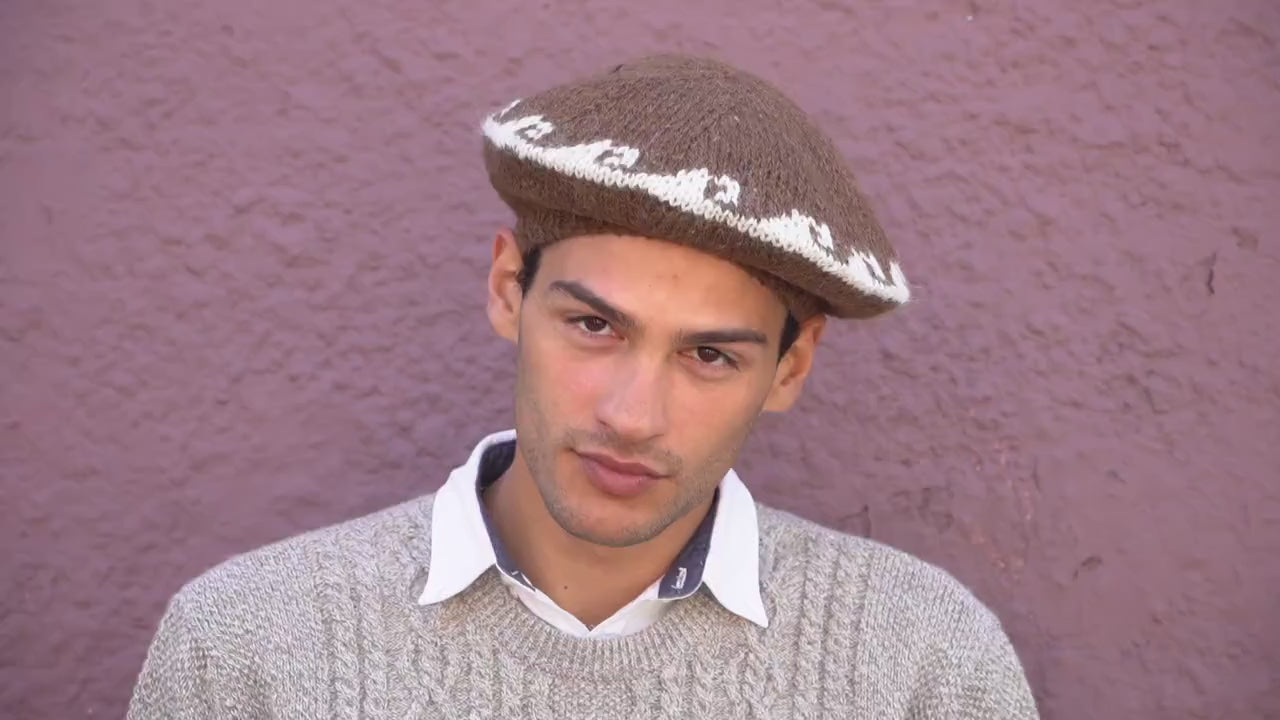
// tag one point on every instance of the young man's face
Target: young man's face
(642, 366)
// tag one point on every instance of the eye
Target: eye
(712, 356)
(591, 324)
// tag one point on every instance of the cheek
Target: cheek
(566, 384)
(712, 421)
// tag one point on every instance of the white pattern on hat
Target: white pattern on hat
(608, 163)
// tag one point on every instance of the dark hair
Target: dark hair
(790, 328)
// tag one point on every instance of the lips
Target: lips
(620, 466)
(616, 477)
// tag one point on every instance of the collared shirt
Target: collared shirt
(723, 554)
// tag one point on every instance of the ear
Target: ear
(505, 296)
(793, 368)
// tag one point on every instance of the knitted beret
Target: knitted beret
(694, 151)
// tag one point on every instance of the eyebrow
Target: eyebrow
(723, 337)
(602, 307)
(623, 321)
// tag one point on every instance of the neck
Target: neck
(589, 581)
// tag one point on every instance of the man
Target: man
(683, 232)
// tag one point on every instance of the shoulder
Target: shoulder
(880, 572)
(897, 598)
(908, 624)
(276, 621)
(289, 586)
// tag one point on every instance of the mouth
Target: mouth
(616, 477)
(621, 466)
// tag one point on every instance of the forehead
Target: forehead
(647, 276)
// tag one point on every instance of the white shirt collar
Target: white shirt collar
(732, 561)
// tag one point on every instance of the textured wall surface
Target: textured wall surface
(241, 296)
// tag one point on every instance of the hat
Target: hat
(694, 151)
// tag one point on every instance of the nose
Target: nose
(634, 407)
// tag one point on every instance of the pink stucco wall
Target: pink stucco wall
(240, 297)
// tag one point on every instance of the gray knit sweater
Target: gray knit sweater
(326, 625)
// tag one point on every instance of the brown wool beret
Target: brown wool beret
(694, 151)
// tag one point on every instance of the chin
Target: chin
(596, 517)
(607, 534)
(603, 519)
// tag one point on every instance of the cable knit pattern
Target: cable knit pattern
(326, 625)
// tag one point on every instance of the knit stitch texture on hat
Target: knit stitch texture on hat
(695, 151)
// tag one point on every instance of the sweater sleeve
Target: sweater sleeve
(996, 687)
(185, 675)
(972, 673)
